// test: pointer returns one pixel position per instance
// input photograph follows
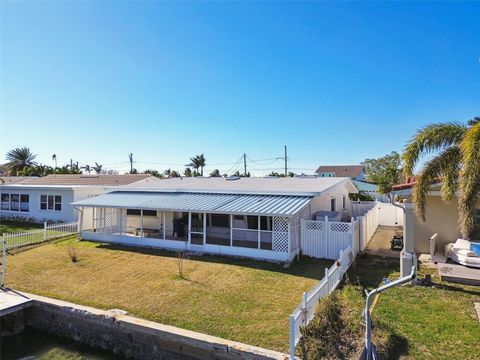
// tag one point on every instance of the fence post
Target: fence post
(326, 236)
(44, 231)
(292, 337)
(305, 309)
(328, 281)
(4, 259)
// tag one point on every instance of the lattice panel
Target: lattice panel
(280, 234)
(314, 225)
(107, 221)
(340, 227)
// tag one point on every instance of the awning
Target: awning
(245, 204)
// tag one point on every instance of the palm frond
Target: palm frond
(431, 138)
(444, 166)
(469, 178)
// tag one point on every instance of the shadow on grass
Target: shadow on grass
(393, 345)
(369, 271)
(306, 267)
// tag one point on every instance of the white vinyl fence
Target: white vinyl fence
(49, 232)
(360, 208)
(305, 312)
(325, 239)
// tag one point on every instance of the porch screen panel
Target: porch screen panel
(280, 234)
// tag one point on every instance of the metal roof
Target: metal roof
(200, 202)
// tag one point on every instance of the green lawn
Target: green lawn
(409, 322)
(14, 226)
(239, 299)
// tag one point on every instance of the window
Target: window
(344, 202)
(5, 201)
(15, 202)
(332, 204)
(137, 212)
(219, 220)
(51, 202)
(24, 202)
(252, 222)
(266, 223)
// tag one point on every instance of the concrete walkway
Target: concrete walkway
(380, 243)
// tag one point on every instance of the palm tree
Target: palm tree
(54, 158)
(198, 162)
(168, 172)
(87, 168)
(18, 159)
(97, 168)
(456, 165)
(174, 174)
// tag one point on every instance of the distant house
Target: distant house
(358, 176)
(251, 217)
(49, 198)
(356, 172)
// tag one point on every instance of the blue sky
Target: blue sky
(336, 82)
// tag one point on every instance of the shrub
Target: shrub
(72, 254)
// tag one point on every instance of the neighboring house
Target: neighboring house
(49, 198)
(370, 189)
(354, 172)
(252, 217)
(440, 218)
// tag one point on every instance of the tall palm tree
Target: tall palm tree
(54, 158)
(198, 162)
(456, 165)
(18, 159)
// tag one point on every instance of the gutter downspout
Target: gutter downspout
(369, 352)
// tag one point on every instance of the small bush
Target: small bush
(181, 257)
(72, 254)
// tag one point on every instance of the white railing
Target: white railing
(25, 238)
(305, 312)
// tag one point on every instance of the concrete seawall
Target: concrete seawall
(133, 337)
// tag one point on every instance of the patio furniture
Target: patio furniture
(396, 243)
(464, 252)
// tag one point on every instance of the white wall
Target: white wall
(322, 202)
(69, 195)
(66, 214)
(389, 215)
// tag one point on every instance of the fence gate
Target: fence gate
(325, 239)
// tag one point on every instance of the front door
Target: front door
(197, 229)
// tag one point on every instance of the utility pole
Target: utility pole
(286, 171)
(130, 156)
(244, 164)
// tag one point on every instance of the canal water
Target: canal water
(32, 344)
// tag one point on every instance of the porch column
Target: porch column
(141, 222)
(258, 232)
(189, 228)
(93, 219)
(164, 226)
(204, 228)
(231, 230)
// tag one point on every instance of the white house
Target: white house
(252, 217)
(49, 198)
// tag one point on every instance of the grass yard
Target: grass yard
(239, 299)
(416, 322)
(14, 226)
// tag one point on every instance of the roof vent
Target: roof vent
(232, 178)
